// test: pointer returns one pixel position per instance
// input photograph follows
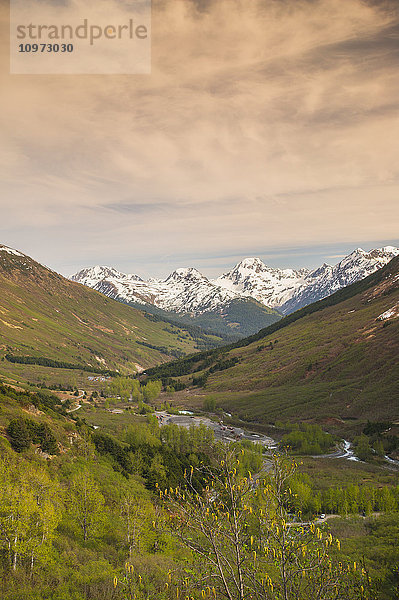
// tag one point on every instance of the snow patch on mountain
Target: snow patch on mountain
(392, 313)
(327, 279)
(188, 291)
(10, 251)
(183, 291)
(270, 286)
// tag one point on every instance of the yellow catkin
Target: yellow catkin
(115, 582)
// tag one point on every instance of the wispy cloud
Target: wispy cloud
(264, 124)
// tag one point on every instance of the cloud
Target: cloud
(264, 123)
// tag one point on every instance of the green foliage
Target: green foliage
(241, 317)
(23, 431)
(355, 499)
(152, 390)
(379, 438)
(362, 447)
(88, 511)
(375, 428)
(242, 542)
(206, 338)
(209, 404)
(162, 349)
(58, 364)
(307, 439)
(141, 435)
(131, 389)
(20, 437)
(29, 514)
(86, 503)
(41, 400)
(223, 364)
(201, 380)
(374, 539)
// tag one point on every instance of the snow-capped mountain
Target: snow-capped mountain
(184, 291)
(187, 291)
(326, 280)
(252, 278)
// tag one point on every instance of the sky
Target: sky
(266, 128)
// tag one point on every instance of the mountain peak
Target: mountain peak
(186, 273)
(390, 250)
(101, 272)
(251, 263)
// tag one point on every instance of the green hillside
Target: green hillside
(333, 359)
(81, 504)
(237, 319)
(46, 316)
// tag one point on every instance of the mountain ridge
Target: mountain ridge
(334, 359)
(187, 291)
(43, 315)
